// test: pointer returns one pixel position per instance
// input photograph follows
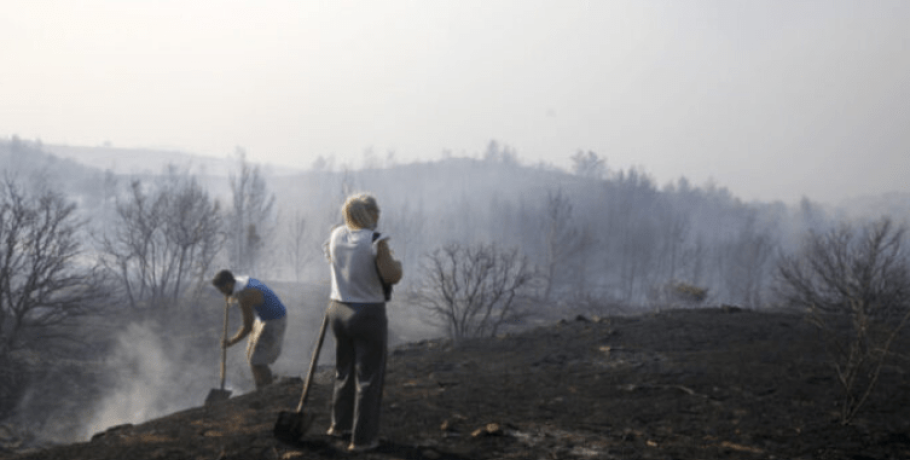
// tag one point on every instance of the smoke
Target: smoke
(153, 368)
(150, 375)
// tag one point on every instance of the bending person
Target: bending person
(264, 321)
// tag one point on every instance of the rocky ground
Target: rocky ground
(682, 384)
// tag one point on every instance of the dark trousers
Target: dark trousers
(361, 338)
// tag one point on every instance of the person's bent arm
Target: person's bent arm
(246, 299)
(389, 268)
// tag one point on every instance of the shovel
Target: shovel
(291, 426)
(217, 395)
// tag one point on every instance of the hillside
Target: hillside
(681, 384)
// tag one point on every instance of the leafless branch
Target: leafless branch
(472, 290)
(861, 278)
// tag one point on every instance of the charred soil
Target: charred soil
(680, 384)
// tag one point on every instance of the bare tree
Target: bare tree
(323, 164)
(563, 239)
(863, 278)
(297, 253)
(745, 262)
(406, 224)
(43, 282)
(633, 232)
(588, 164)
(472, 290)
(250, 219)
(163, 240)
(675, 229)
(496, 153)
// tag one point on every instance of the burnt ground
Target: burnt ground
(680, 384)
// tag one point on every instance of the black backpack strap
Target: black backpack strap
(386, 288)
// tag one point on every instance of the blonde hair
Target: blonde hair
(360, 211)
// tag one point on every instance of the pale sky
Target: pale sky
(772, 99)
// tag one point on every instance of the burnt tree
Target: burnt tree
(471, 291)
(163, 240)
(855, 286)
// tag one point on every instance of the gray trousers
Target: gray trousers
(361, 340)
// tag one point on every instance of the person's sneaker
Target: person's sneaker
(363, 448)
(338, 433)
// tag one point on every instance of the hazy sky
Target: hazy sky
(773, 99)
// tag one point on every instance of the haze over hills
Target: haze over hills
(151, 161)
(126, 161)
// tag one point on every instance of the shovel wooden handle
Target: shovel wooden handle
(227, 306)
(309, 374)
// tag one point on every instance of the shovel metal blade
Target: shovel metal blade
(216, 396)
(291, 426)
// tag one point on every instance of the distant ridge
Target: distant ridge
(152, 161)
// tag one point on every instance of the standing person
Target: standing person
(361, 263)
(264, 320)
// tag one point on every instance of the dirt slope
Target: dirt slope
(684, 384)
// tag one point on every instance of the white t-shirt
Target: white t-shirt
(352, 256)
